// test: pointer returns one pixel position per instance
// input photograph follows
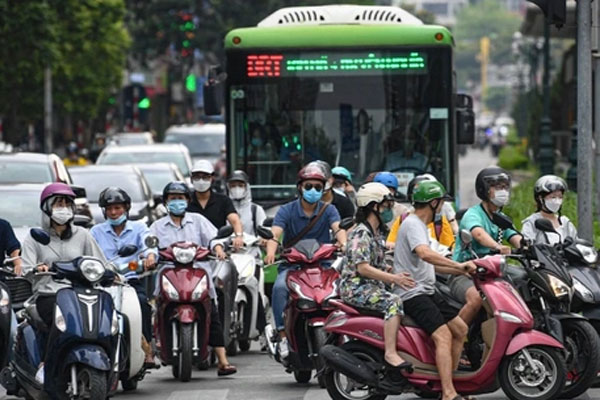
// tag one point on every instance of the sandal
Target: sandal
(394, 372)
(226, 370)
(151, 365)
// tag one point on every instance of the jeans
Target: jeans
(280, 295)
(13, 333)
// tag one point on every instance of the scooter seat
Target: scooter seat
(405, 321)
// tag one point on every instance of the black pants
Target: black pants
(216, 337)
(45, 307)
(140, 289)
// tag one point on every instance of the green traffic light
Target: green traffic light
(189, 26)
(190, 83)
(186, 43)
(144, 103)
(112, 100)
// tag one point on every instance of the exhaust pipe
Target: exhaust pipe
(343, 362)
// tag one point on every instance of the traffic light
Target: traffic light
(554, 10)
(186, 34)
(135, 105)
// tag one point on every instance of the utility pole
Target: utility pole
(48, 110)
(484, 59)
(546, 154)
(584, 122)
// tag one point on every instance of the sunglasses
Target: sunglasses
(309, 186)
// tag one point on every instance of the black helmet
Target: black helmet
(489, 177)
(239, 176)
(114, 195)
(176, 187)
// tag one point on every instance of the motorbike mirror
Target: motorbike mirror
(268, 222)
(544, 225)
(40, 236)
(264, 232)
(224, 231)
(347, 223)
(503, 221)
(400, 197)
(584, 242)
(460, 213)
(108, 278)
(466, 237)
(151, 242)
(82, 220)
(127, 250)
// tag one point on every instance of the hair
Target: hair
(362, 213)
(420, 206)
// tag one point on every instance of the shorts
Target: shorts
(429, 311)
(459, 284)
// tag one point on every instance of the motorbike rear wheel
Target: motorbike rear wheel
(302, 376)
(244, 345)
(583, 357)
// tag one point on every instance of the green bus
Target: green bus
(370, 88)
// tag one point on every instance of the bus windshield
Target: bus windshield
(358, 109)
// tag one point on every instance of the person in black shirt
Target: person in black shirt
(216, 207)
(341, 203)
(9, 246)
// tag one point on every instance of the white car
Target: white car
(204, 141)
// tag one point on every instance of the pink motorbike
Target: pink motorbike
(525, 363)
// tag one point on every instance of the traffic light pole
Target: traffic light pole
(48, 110)
(546, 154)
(584, 122)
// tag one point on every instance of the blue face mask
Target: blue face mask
(177, 207)
(386, 215)
(312, 196)
(117, 221)
(257, 142)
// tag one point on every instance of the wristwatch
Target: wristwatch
(239, 234)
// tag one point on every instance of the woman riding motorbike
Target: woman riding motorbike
(366, 281)
(251, 214)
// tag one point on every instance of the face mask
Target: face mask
(177, 207)
(553, 205)
(237, 193)
(62, 215)
(501, 198)
(256, 142)
(117, 221)
(387, 215)
(311, 196)
(201, 185)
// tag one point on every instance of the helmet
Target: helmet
(203, 166)
(427, 191)
(372, 192)
(176, 187)
(56, 189)
(342, 173)
(548, 184)
(239, 175)
(311, 171)
(387, 178)
(72, 147)
(326, 167)
(487, 178)
(415, 180)
(114, 195)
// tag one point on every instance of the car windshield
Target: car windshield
(143, 157)
(95, 181)
(198, 144)
(128, 140)
(21, 208)
(24, 172)
(158, 179)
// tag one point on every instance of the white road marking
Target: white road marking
(205, 394)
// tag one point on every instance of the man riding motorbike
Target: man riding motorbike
(548, 193)
(116, 232)
(422, 303)
(292, 221)
(341, 203)
(492, 186)
(343, 183)
(179, 226)
(251, 214)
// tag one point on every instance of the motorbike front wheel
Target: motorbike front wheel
(544, 381)
(319, 340)
(91, 384)
(583, 356)
(186, 343)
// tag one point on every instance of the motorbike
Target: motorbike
(183, 308)
(312, 288)
(82, 343)
(524, 362)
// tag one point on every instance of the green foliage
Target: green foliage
(513, 157)
(523, 205)
(497, 98)
(424, 15)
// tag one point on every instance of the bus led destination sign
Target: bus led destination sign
(319, 64)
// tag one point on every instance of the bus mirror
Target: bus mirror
(214, 90)
(465, 119)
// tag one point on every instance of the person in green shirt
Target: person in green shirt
(492, 186)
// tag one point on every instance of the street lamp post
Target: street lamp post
(546, 154)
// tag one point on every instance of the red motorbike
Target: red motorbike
(312, 287)
(525, 363)
(183, 306)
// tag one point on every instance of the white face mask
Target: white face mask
(202, 185)
(553, 205)
(501, 198)
(62, 215)
(237, 193)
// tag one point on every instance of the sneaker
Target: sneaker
(39, 375)
(284, 350)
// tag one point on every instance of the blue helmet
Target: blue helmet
(387, 178)
(343, 173)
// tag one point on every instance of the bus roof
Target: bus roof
(327, 36)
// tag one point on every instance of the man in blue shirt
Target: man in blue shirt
(116, 232)
(291, 220)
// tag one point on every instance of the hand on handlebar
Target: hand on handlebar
(504, 250)
(238, 242)
(404, 280)
(42, 268)
(221, 255)
(269, 258)
(469, 267)
(150, 262)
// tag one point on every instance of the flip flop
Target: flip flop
(151, 365)
(226, 370)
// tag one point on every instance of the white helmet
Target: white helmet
(372, 192)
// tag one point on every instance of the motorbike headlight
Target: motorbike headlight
(584, 292)
(296, 288)
(92, 270)
(200, 288)
(169, 289)
(114, 326)
(59, 320)
(589, 254)
(184, 256)
(4, 299)
(559, 288)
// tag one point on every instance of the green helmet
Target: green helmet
(426, 191)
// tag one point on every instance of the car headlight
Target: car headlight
(184, 256)
(4, 299)
(558, 287)
(583, 291)
(114, 326)
(169, 289)
(200, 288)
(589, 254)
(59, 320)
(92, 270)
(296, 288)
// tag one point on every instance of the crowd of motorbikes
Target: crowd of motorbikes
(536, 336)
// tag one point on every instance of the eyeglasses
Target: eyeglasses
(309, 186)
